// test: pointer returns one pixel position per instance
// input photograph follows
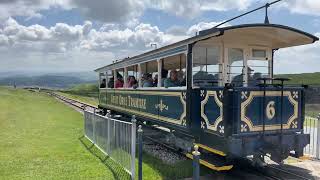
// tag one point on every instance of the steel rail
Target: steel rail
(72, 101)
(288, 172)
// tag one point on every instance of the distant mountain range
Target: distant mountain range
(67, 80)
(52, 80)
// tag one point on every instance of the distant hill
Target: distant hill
(304, 78)
(65, 80)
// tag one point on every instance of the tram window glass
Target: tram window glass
(119, 82)
(259, 53)
(132, 79)
(260, 68)
(173, 73)
(149, 72)
(110, 79)
(236, 57)
(103, 81)
(206, 66)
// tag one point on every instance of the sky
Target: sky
(81, 35)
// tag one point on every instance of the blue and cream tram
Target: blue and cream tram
(216, 90)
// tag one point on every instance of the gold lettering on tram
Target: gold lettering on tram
(128, 101)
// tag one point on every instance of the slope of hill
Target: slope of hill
(43, 81)
(58, 80)
(304, 78)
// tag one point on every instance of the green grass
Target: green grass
(304, 78)
(40, 139)
(312, 110)
(90, 90)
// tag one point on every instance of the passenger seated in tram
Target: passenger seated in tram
(132, 82)
(119, 82)
(203, 78)
(237, 81)
(111, 83)
(147, 80)
(173, 80)
(164, 75)
(155, 81)
(254, 81)
(103, 83)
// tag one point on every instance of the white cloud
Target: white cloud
(202, 26)
(35, 43)
(309, 7)
(298, 59)
(28, 8)
(111, 10)
(3, 40)
(83, 47)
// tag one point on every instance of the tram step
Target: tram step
(212, 165)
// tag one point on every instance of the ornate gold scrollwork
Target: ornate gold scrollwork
(161, 106)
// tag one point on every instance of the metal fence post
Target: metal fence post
(133, 146)
(140, 131)
(94, 126)
(195, 163)
(108, 131)
(318, 138)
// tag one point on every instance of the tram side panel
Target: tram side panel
(166, 108)
(267, 122)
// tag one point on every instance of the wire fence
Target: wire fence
(312, 127)
(116, 139)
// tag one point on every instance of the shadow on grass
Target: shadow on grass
(117, 171)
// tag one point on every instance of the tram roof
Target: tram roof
(274, 35)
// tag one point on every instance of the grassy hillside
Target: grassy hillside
(90, 90)
(39, 139)
(53, 80)
(42, 81)
(304, 78)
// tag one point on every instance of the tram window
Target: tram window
(258, 53)
(132, 79)
(103, 81)
(235, 57)
(260, 68)
(149, 71)
(119, 78)
(173, 73)
(110, 79)
(206, 66)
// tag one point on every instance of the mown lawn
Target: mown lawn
(40, 138)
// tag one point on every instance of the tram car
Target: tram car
(216, 90)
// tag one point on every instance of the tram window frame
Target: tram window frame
(219, 64)
(179, 66)
(109, 75)
(102, 75)
(230, 78)
(145, 69)
(268, 67)
(135, 74)
(116, 71)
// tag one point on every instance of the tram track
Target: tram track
(75, 103)
(269, 172)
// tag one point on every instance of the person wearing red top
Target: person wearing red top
(119, 83)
